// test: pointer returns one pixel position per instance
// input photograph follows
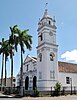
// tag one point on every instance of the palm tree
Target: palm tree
(5, 53)
(23, 39)
(11, 50)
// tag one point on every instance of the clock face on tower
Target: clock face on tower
(50, 33)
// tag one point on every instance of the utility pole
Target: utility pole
(71, 85)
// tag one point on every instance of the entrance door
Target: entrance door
(34, 82)
(26, 83)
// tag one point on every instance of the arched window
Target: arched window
(40, 75)
(41, 37)
(49, 22)
(40, 57)
(52, 56)
(27, 68)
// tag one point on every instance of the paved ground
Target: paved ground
(53, 98)
(68, 97)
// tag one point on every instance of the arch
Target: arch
(40, 57)
(49, 22)
(52, 56)
(34, 82)
(26, 83)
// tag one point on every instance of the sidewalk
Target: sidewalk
(9, 96)
(5, 96)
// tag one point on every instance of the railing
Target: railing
(50, 91)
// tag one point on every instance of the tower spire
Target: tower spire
(46, 10)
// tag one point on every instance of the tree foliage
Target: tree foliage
(57, 88)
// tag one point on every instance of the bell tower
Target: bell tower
(47, 63)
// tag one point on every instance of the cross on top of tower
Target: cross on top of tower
(46, 11)
(46, 5)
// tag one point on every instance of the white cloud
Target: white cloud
(70, 55)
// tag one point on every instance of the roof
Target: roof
(29, 58)
(67, 67)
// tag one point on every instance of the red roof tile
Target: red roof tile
(67, 67)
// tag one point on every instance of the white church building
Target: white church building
(44, 71)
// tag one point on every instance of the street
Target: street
(68, 97)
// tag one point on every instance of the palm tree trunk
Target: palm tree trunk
(2, 69)
(21, 75)
(11, 71)
(5, 70)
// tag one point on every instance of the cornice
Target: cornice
(50, 26)
(47, 44)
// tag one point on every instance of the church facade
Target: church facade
(45, 70)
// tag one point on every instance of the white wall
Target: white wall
(62, 78)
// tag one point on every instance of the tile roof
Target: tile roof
(67, 67)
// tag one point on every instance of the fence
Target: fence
(64, 90)
(9, 90)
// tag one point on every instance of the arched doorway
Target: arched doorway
(34, 82)
(26, 83)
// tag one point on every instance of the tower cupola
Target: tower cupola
(46, 29)
(46, 21)
(46, 13)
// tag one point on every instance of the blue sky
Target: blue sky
(26, 14)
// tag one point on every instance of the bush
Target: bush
(35, 93)
(57, 88)
(6, 91)
(16, 91)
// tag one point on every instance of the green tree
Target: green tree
(23, 39)
(5, 53)
(57, 88)
(11, 49)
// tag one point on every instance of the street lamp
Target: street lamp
(71, 85)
